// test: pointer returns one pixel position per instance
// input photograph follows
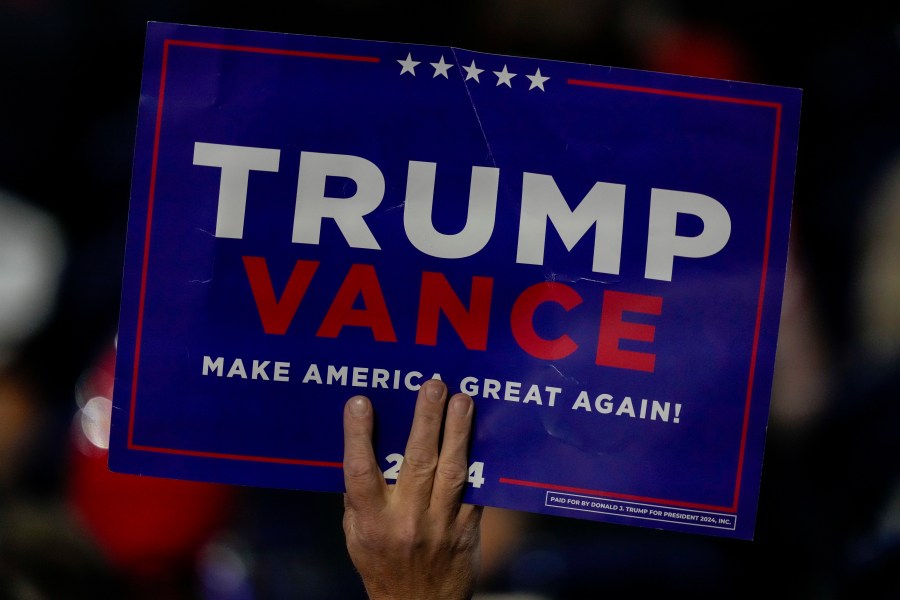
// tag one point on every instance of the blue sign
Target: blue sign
(595, 255)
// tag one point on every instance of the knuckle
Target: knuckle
(408, 535)
(453, 472)
(359, 468)
(420, 458)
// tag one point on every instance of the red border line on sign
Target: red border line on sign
(677, 94)
(146, 259)
(150, 196)
(278, 51)
(246, 457)
(759, 307)
(762, 289)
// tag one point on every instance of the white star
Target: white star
(504, 76)
(472, 72)
(409, 65)
(537, 80)
(440, 68)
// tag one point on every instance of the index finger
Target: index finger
(363, 480)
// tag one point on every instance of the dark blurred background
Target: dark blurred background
(829, 519)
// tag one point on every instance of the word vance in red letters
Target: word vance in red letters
(469, 321)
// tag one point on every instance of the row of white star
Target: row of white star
(441, 68)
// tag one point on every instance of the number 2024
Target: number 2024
(476, 470)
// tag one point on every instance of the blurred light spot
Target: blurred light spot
(95, 419)
(878, 288)
(31, 261)
(94, 381)
(224, 573)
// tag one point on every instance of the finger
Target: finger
(452, 469)
(416, 475)
(366, 489)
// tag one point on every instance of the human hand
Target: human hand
(414, 539)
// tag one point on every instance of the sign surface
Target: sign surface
(596, 255)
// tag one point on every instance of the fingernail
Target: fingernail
(461, 405)
(359, 406)
(435, 391)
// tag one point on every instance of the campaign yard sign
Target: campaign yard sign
(596, 255)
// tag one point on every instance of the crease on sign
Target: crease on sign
(563, 375)
(395, 207)
(203, 281)
(459, 70)
(553, 276)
